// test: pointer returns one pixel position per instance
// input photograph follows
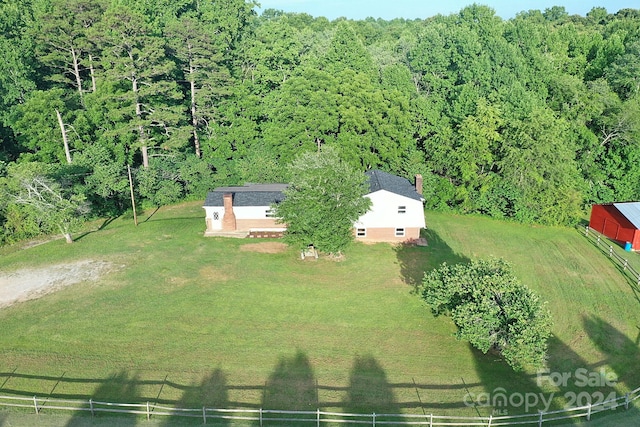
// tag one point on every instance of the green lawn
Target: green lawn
(188, 320)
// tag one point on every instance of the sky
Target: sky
(421, 9)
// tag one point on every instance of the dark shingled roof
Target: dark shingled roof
(248, 195)
(267, 194)
(379, 180)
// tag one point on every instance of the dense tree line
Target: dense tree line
(532, 118)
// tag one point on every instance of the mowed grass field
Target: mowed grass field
(191, 321)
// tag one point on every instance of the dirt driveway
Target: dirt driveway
(25, 284)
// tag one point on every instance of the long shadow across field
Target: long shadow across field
(568, 381)
(623, 354)
(414, 260)
(212, 392)
(507, 392)
(121, 388)
(292, 385)
(369, 390)
(569, 368)
(102, 226)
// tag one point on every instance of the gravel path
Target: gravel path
(26, 284)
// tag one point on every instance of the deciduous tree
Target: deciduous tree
(491, 309)
(42, 126)
(324, 199)
(56, 207)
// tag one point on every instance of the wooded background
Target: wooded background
(532, 118)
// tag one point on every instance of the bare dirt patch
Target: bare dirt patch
(30, 283)
(264, 247)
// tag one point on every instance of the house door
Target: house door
(216, 220)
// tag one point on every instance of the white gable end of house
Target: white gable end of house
(392, 210)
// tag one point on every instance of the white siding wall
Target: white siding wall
(241, 212)
(384, 212)
(250, 212)
(209, 217)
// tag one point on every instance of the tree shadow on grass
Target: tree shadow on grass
(102, 226)
(211, 393)
(570, 370)
(414, 260)
(369, 390)
(568, 381)
(561, 358)
(560, 376)
(292, 385)
(623, 354)
(506, 392)
(120, 388)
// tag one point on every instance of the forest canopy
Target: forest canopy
(532, 118)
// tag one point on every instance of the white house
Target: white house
(396, 213)
(243, 209)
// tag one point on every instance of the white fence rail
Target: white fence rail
(318, 418)
(604, 244)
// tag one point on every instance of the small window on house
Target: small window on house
(216, 216)
(402, 209)
(361, 232)
(269, 213)
(399, 232)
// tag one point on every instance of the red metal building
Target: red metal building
(618, 221)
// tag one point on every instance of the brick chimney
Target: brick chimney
(419, 184)
(229, 218)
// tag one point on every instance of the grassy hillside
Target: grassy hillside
(188, 320)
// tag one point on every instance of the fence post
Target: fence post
(318, 417)
(586, 231)
(374, 419)
(148, 412)
(35, 403)
(598, 240)
(610, 250)
(540, 419)
(624, 267)
(490, 420)
(260, 417)
(430, 420)
(626, 401)
(589, 412)
(91, 407)
(204, 414)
